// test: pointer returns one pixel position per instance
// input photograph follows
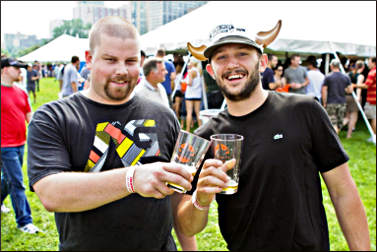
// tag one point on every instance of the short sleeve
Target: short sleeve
(73, 75)
(46, 151)
(326, 146)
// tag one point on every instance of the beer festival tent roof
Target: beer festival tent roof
(307, 27)
(61, 49)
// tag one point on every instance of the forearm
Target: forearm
(75, 191)
(190, 220)
(348, 207)
(74, 86)
(188, 243)
(352, 220)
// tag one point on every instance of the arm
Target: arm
(348, 207)
(28, 116)
(191, 76)
(74, 86)
(79, 191)
(188, 243)
(324, 95)
(212, 180)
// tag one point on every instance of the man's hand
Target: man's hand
(150, 179)
(212, 179)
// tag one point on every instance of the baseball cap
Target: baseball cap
(6, 62)
(226, 34)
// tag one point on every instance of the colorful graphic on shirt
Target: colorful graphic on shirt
(138, 139)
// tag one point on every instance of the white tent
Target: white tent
(310, 27)
(60, 49)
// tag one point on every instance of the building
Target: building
(91, 11)
(19, 41)
(148, 15)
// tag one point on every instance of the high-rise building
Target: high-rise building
(148, 15)
(91, 11)
(19, 41)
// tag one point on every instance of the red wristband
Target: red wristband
(130, 179)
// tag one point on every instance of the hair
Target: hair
(335, 63)
(112, 26)
(142, 53)
(74, 59)
(160, 53)
(359, 64)
(373, 59)
(293, 56)
(150, 64)
(271, 56)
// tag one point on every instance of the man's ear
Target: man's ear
(263, 62)
(210, 71)
(88, 59)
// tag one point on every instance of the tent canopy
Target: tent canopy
(61, 49)
(310, 27)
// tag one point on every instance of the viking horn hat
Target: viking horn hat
(228, 33)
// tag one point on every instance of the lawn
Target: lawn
(362, 165)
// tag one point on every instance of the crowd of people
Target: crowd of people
(333, 91)
(99, 156)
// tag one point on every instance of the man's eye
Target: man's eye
(110, 60)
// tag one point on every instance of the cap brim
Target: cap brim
(210, 49)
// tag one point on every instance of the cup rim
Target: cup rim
(194, 135)
(238, 137)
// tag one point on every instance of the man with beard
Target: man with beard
(99, 158)
(288, 142)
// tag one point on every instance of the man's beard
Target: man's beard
(119, 93)
(250, 85)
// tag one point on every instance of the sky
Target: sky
(33, 17)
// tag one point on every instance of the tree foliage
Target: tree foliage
(72, 27)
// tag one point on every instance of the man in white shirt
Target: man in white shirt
(150, 86)
(315, 79)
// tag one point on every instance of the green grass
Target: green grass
(362, 165)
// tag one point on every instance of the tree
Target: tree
(73, 27)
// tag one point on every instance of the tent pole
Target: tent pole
(327, 65)
(358, 104)
(204, 93)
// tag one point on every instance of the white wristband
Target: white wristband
(130, 179)
(196, 203)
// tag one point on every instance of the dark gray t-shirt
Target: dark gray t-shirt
(288, 141)
(77, 134)
(296, 75)
(336, 83)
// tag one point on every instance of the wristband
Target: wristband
(196, 203)
(130, 179)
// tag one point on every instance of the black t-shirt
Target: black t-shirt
(78, 134)
(267, 78)
(336, 83)
(287, 142)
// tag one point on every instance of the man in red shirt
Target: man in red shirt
(370, 85)
(15, 109)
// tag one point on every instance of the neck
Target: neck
(5, 81)
(246, 106)
(153, 83)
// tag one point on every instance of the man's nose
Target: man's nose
(122, 69)
(233, 62)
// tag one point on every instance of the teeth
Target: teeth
(235, 77)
